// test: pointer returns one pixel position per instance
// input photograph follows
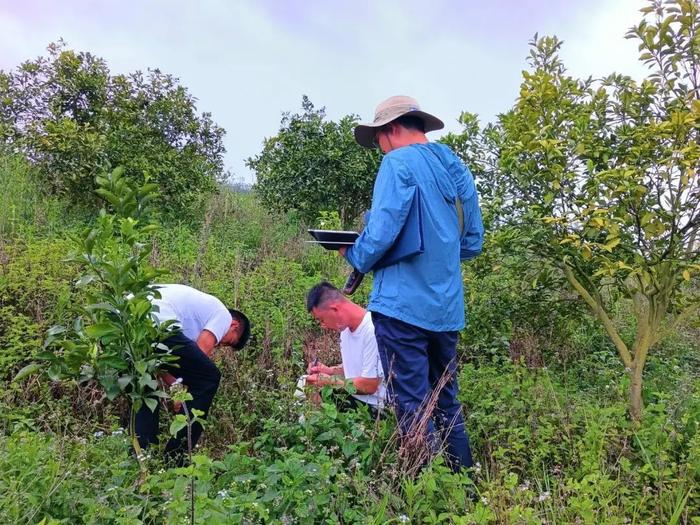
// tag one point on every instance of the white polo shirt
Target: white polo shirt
(193, 310)
(361, 358)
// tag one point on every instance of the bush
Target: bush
(75, 120)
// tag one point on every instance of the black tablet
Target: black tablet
(333, 239)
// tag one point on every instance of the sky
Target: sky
(249, 61)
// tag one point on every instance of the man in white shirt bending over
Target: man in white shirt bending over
(204, 324)
(358, 348)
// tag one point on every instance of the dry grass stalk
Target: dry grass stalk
(417, 447)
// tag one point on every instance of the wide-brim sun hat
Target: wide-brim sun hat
(389, 110)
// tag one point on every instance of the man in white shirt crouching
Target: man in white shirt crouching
(358, 347)
(204, 323)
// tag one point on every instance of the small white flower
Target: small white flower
(223, 494)
(524, 486)
(403, 519)
(477, 467)
(118, 432)
(99, 434)
(484, 501)
(544, 496)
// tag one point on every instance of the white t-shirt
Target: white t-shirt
(361, 358)
(193, 310)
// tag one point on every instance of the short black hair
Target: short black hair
(321, 294)
(411, 122)
(245, 335)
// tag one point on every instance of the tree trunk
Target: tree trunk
(646, 333)
(143, 470)
(636, 383)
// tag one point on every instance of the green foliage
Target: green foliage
(20, 196)
(46, 478)
(313, 165)
(115, 339)
(547, 422)
(75, 120)
(19, 339)
(510, 299)
(36, 279)
(274, 292)
(26, 211)
(544, 451)
(556, 452)
(603, 177)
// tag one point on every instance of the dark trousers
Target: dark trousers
(201, 376)
(414, 361)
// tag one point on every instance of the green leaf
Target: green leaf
(101, 329)
(151, 403)
(55, 330)
(85, 280)
(28, 370)
(146, 380)
(326, 436)
(586, 252)
(178, 424)
(124, 381)
(609, 245)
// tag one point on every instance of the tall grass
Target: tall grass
(27, 209)
(19, 199)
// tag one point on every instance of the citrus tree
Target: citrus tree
(314, 165)
(603, 177)
(113, 339)
(74, 120)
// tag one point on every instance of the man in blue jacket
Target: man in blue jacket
(417, 303)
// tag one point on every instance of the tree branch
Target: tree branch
(599, 311)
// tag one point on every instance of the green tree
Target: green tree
(315, 165)
(114, 340)
(75, 120)
(603, 175)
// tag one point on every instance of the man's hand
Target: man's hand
(167, 378)
(319, 368)
(320, 379)
(342, 250)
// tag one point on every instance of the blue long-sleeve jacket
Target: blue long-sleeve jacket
(424, 290)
